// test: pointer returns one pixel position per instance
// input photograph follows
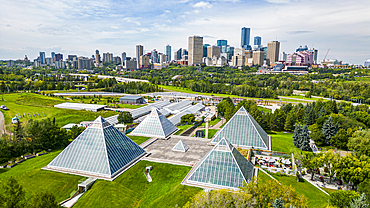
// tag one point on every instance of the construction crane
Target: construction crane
(323, 62)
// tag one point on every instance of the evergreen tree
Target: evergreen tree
(322, 112)
(278, 203)
(290, 120)
(309, 115)
(305, 139)
(360, 202)
(12, 195)
(43, 199)
(329, 129)
(296, 133)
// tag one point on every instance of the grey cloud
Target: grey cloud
(298, 32)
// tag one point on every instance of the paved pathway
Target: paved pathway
(2, 124)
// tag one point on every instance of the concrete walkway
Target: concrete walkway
(72, 201)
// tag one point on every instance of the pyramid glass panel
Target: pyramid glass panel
(222, 167)
(180, 146)
(101, 151)
(242, 130)
(155, 125)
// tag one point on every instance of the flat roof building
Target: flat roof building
(80, 106)
(131, 99)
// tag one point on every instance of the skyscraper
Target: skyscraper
(205, 49)
(213, 51)
(42, 58)
(168, 53)
(257, 41)
(178, 54)
(195, 50)
(273, 49)
(246, 33)
(139, 53)
(97, 56)
(58, 57)
(123, 58)
(53, 55)
(222, 44)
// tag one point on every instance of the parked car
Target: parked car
(4, 107)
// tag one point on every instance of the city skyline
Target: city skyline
(82, 27)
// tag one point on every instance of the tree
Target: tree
(305, 139)
(329, 159)
(309, 115)
(74, 132)
(188, 118)
(125, 117)
(296, 134)
(322, 112)
(311, 161)
(329, 129)
(290, 120)
(353, 169)
(363, 188)
(308, 94)
(360, 202)
(340, 140)
(12, 195)
(43, 199)
(341, 198)
(360, 142)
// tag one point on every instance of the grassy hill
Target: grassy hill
(131, 189)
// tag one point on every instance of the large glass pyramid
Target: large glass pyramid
(180, 147)
(100, 151)
(243, 131)
(222, 167)
(155, 125)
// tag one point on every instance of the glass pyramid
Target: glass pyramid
(100, 151)
(222, 167)
(180, 146)
(243, 131)
(155, 125)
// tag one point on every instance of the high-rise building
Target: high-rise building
(97, 56)
(315, 53)
(282, 56)
(257, 41)
(246, 33)
(258, 57)
(70, 57)
(53, 55)
(205, 49)
(84, 63)
(168, 53)
(60, 64)
(273, 49)
(213, 51)
(162, 58)
(230, 52)
(195, 50)
(177, 55)
(223, 45)
(107, 57)
(154, 56)
(117, 60)
(58, 57)
(305, 48)
(42, 58)
(144, 61)
(123, 58)
(139, 53)
(49, 61)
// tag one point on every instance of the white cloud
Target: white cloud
(202, 4)
(114, 27)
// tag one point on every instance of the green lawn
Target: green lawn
(130, 106)
(263, 178)
(131, 189)
(316, 198)
(183, 128)
(264, 109)
(282, 142)
(211, 123)
(34, 180)
(33, 103)
(212, 132)
(138, 139)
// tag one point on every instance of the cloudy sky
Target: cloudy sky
(82, 26)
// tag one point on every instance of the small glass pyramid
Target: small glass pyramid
(180, 146)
